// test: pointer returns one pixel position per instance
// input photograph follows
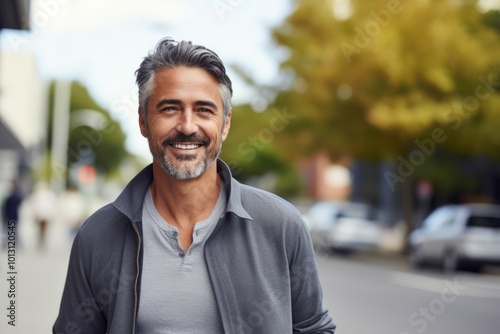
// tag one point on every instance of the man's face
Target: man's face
(185, 124)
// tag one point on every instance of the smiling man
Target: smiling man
(186, 248)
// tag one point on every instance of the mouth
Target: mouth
(186, 146)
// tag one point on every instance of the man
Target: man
(186, 248)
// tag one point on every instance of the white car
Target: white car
(457, 237)
(343, 227)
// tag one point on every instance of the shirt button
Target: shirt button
(175, 234)
(181, 254)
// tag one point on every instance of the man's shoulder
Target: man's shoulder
(103, 220)
(260, 202)
(272, 215)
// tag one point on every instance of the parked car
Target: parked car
(458, 237)
(343, 227)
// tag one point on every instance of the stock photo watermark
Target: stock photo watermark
(126, 105)
(39, 19)
(11, 273)
(371, 29)
(250, 147)
(454, 118)
(278, 298)
(421, 319)
(222, 7)
(91, 306)
(122, 107)
(84, 148)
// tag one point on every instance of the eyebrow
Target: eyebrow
(179, 102)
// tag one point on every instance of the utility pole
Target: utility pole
(60, 134)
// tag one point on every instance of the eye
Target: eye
(168, 109)
(205, 110)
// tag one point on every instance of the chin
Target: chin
(184, 170)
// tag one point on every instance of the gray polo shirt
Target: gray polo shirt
(176, 291)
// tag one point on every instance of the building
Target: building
(22, 103)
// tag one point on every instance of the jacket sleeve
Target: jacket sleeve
(79, 312)
(308, 313)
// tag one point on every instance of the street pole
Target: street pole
(60, 134)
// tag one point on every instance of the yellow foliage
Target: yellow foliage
(406, 64)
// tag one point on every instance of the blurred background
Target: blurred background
(378, 119)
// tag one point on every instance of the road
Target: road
(363, 296)
(389, 298)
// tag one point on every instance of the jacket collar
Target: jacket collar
(233, 189)
(130, 201)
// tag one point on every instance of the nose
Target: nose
(187, 123)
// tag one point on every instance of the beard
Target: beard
(185, 166)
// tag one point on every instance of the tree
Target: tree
(392, 80)
(391, 73)
(251, 149)
(94, 137)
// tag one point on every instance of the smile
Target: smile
(186, 146)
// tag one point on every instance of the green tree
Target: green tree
(94, 136)
(252, 149)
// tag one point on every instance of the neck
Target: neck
(182, 203)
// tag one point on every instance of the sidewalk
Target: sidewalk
(39, 280)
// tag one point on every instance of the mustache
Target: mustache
(182, 138)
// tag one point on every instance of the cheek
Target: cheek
(157, 128)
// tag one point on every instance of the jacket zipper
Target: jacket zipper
(136, 277)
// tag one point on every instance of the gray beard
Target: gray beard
(188, 172)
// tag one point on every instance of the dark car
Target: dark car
(457, 237)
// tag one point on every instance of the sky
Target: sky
(101, 44)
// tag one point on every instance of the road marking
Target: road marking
(436, 285)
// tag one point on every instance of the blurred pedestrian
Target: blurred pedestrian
(72, 207)
(186, 248)
(42, 202)
(10, 213)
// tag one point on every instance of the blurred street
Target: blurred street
(365, 294)
(377, 119)
(388, 298)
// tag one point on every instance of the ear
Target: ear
(227, 126)
(142, 123)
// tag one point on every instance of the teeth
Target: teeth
(186, 146)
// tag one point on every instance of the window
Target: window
(484, 221)
(441, 218)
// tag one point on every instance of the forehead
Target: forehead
(185, 81)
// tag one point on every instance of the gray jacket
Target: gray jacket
(260, 261)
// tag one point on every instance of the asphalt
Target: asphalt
(396, 260)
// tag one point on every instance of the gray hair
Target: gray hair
(170, 54)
